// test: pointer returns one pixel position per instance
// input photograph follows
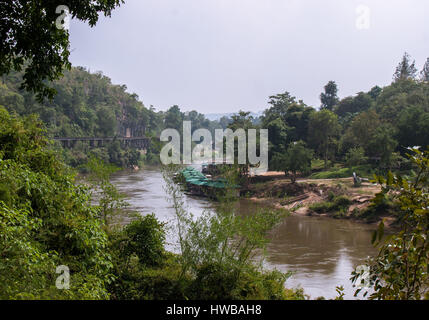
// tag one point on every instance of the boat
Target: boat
(196, 183)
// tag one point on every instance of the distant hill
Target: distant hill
(86, 104)
(217, 116)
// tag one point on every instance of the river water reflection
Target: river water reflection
(321, 251)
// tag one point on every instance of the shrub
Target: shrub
(400, 269)
(145, 237)
(382, 205)
(45, 220)
(217, 282)
(339, 204)
(137, 282)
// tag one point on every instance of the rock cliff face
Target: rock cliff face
(131, 122)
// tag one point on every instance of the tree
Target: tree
(174, 118)
(355, 156)
(360, 103)
(323, 131)
(399, 96)
(361, 130)
(375, 92)
(277, 136)
(224, 122)
(197, 120)
(286, 120)
(145, 237)
(406, 69)
(46, 220)
(329, 98)
(383, 144)
(413, 127)
(296, 159)
(425, 72)
(241, 120)
(31, 39)
(106, 121)
(110, 200)
(400, 270)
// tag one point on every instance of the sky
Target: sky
(220, 56)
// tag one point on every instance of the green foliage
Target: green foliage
(218, 282)
(87, 105)
(242, 120)
(174, 118)
(383, 145)
(413, 126)
(381, 205)
(144, 270)
(424, 74)
(340, 292)
(323, 132)
(45, 221)
(296, 159)
(400, 96)
(329, 98)
(355, 157)
(146, 240)
(134, 281)
(382, 121)
(334, 173)
(357, 104)
(219, 249)
(286, 120)
(400, 270)
(360, 131)
(31, 39)
(375, 92)
(142, 267)
(406, 69)
(335, 204)
(110, 201)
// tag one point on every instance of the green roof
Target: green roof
(195, 177)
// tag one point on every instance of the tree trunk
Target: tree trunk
(293, 177)
(326, 157)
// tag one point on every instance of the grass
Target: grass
(317, 164)
(339, 172)
(335, 204)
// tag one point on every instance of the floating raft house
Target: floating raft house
(195, 178)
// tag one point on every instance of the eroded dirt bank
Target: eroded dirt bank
(301, 197)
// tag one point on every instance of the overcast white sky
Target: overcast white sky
(220, 56)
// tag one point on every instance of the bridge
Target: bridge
(141, 143)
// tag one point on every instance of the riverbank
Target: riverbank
(334, 198)
(322, 252)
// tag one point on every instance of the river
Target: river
(322, 252)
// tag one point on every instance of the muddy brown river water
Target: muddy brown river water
(322, 252)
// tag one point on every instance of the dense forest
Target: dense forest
(89, 105)
(370, 131)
